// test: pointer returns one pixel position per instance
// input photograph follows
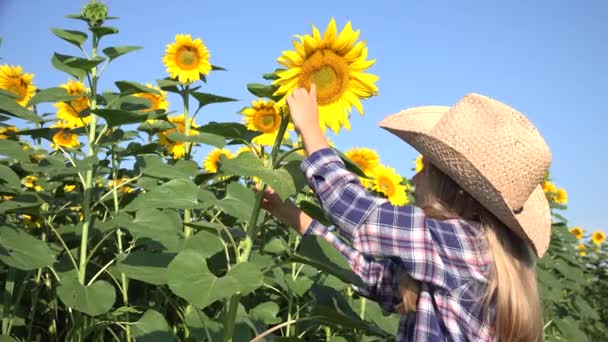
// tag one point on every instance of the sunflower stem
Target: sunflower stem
(186, 97)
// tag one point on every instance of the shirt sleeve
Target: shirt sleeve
(427, 249)
(380, 278)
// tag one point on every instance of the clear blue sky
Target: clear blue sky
(546, 58)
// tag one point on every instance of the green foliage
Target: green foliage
(128, 237)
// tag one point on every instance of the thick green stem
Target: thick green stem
(9, 286)
(187, 147)
(230, 317)
(82, 270)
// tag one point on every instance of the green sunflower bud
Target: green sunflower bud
(95, 13)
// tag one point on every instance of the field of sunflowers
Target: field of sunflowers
(111, 229)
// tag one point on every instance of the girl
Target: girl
(459, 265)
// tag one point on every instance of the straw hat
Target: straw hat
(493, 152)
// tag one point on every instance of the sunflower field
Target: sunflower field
(111, 227)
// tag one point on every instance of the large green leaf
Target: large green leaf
(12, 108)
(317, 252)
(56, 94)
(13, 149)
(155, 167)
(203, 138)
(190, 279)
(238, 201)
(266, 312)
(130, 88)
(76, 38)
(75, 66)
(229, 130)
(262, 90)
(205, 243)
(159, 230)
(9, 178)
(152, 327)
(20, 202)
(246, 164)
(59, 62)
(94, 300)
(205, 99)
(117, 117)
(177, 193)
(145, 266)
(117, 51)
(101, 31)
(21, 250)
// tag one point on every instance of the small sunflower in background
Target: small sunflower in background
(211, 162)
(577, 232)
(15, 81)
(263, 116)
(388, 182)
(336, 63)
(598, 237)
(70, 111)
(366, 159)
(186, 59)
(158, 101)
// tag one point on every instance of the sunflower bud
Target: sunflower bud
(95, 13)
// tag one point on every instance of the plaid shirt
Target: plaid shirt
(445, 256)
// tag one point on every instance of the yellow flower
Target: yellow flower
(186, 59)
(561, 196)
(577, 232)
(336, 64)
(212, 160)
(598, 237)
(69, 187)
(387, 181)
(419, 164)
(32, 222)
(64, 137)
(158, 101)
(5, 198)
(176, 148)
(13, 80)
(8, 132)
(30, 182)
(549, 187)
(582, 249)
(263, 116)
(121, 186)
(70, 111)
(366, 159)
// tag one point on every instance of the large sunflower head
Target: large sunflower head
(577, 232)
(212, 161)
(335, 62)
(157, 101)
(70, 111)
(388, 182)
(176, 148)
(14, 80)
(598, 237)
(263, 116)
(186, 59)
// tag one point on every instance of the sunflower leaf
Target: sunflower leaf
(203, 138)
(182, 192)
(20, 202)
(13, 149)
(117, 51)
(152, 326)
(55, 94)
(12, 108)
(238, 201)
(169, 85)
(59, 62)
(23, 251)
(95, 299)
(130, 88)
(205, 99)
(104, 30)
(229, 130)
(117, 117)
(262, 90)
(76, 38)
(217, 68)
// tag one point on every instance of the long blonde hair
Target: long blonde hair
(512, 289)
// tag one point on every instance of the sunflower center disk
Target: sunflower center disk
(16, 89)
(329, 72)
(187, 58)
(267, 121)
(386, 188)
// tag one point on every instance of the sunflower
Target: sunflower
(120, 184)
(32, 222)
(577, 232)
(561, 196)
(8, 132)
(70, 111)
(336, 64)
(31, 183)
(13, 80)
(69, 187)
(549, 187)
(64, 136)
(598, 237)
(263, 116)
(212, 160)
(582, 249)
(387, 181)
(419, 164)
(176, 148)
(366, 159)
(186, 59)
(158, 101)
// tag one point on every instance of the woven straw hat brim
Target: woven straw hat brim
(415, 126)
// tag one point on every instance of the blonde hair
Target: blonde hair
(512, 289)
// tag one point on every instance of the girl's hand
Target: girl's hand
(285, 211)
(303, 109)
